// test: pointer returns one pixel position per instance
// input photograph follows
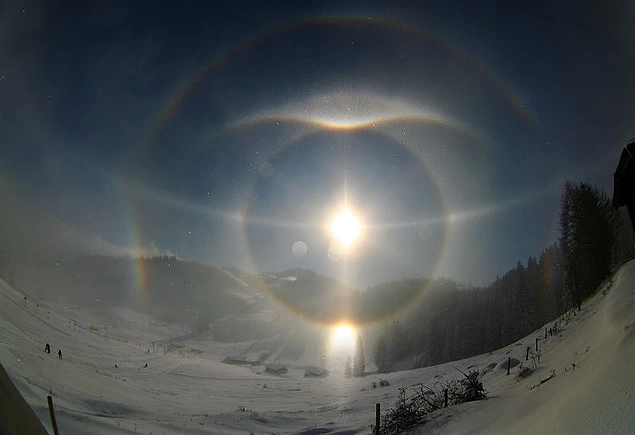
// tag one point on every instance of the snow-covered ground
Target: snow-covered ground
(103, 386)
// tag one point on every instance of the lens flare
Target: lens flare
(299, 249)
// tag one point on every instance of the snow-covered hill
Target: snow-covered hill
(103, 385)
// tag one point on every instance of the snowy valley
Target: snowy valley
(127, 372)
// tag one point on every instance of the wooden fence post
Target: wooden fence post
(52, 413)
(445, 392)
(377, 419)
(528, 349)
(509, 364)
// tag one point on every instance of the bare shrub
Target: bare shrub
(411, 411)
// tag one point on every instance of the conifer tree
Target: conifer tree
(587, 224)
(359, 364)
(382, 358)
(348, 370)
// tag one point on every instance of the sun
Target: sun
(343, 332)
(343, 336)
(341, 344)
(345, 228)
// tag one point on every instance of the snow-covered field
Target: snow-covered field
(103, 386)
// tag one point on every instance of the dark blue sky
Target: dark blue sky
(231, 132)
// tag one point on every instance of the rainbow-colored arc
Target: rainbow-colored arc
(382, 122)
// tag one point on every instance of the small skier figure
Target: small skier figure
(47, 348)
(59, 353)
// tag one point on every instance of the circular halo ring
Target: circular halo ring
(342, 302)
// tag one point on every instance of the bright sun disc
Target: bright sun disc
(343, 333)
(343, 336)
(345, 228)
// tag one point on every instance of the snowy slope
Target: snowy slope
(189, 390)
(597, 397)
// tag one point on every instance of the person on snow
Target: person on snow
(59, 353)
(47, 348)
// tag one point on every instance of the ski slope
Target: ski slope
(103, 386)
